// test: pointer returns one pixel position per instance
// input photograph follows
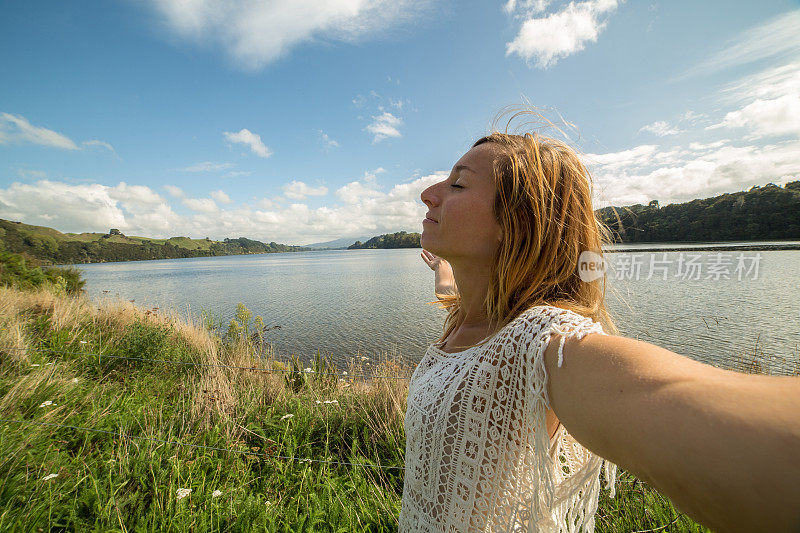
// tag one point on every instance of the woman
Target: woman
(501, 420)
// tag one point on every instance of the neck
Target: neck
(472, 280)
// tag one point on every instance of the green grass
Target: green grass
(108, 483)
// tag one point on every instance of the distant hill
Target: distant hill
(51, 246)
(338, 244)
(401, 239)
(763, 213)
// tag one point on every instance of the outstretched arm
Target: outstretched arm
(444, 282)
(723, 446)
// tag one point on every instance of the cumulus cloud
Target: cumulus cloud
(177, 192)
(137, 210)
(17, 129)
(203, 205)
(88, 207)
(767, 102)
(661, 128)
(250, 139)
(207, 166)
(383, 126)
(221, 197)
(257, 33)
(763, 118)
(546, 39)
(682, 173)
(298, 190)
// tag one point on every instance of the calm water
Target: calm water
(368, 302)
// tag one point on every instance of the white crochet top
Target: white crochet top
(478, 455)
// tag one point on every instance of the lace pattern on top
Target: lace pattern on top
(478, 455)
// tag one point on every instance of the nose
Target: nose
(429, 196)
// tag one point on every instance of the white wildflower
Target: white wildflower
(364, 357)
(46, 403)
(345, 373)
(182, 493)
(48, 477)
(216, 494)
(318, 401)
(35, 364)
(331, 401)
(284, 417)
(84, 342)
(74, 380)
(308, 369)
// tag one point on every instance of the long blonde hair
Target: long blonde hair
(543, 204)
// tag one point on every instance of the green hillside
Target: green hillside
(52, 246)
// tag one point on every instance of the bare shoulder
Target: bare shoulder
(599, 358)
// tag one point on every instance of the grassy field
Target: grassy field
(133, 477)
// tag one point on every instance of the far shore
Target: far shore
(669, 247)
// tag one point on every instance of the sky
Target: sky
(305, 121)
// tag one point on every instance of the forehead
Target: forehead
(480, 159)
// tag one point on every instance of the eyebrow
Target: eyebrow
(462, 167)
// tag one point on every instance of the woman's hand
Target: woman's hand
(444, 282)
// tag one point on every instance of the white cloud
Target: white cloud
(355, 192)
(529, 6)
(100, 144)
(777, 38)
(661, 128)
(255, 33)
(16, 128)
(248, 138)
(698, 170)
(626, 158)
(203, 205)
(92, 207)
(770, 83)
(764, 118)
(221, 197)
(561, 34)
(177, 192)
(327, 141)
(298, 190)
(207, 166)
(135, 211)
(384, 125)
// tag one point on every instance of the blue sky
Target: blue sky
(303, 121)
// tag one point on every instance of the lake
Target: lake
(710, 306)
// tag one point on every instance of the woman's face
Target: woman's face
(460, 223)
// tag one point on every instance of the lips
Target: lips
(431, 219)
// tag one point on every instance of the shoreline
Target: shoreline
(732, 247)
